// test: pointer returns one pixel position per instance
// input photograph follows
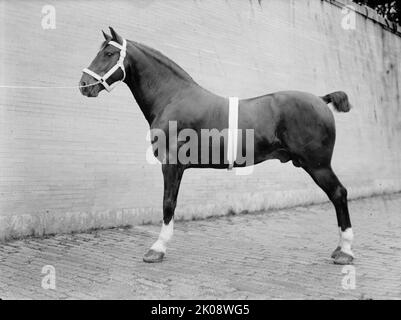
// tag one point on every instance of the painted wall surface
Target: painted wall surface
(72, 163)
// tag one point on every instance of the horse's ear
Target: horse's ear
(106, 36)
(115, 36)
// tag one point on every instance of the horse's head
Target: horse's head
(107, 69)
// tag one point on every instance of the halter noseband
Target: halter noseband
(119, 64)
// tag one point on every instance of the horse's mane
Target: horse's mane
(163, 60)
(159, 57)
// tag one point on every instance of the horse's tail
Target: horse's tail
(339, 100)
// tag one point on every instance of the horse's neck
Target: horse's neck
(152, 84)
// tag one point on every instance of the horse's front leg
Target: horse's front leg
(172, 174)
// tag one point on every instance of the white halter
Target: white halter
(119, 64)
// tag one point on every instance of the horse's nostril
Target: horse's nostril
(83, 83)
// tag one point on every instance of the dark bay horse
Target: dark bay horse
(288, 125)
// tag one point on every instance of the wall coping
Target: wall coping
(370, 14)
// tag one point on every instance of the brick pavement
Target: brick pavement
(269, 255)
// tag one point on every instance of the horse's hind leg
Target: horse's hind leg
(172, 175)
(328, 181)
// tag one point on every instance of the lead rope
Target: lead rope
(100, 79)
(45, 87)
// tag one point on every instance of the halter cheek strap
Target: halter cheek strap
(119, 64)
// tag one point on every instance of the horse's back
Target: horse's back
(299, 122)
(294, 102)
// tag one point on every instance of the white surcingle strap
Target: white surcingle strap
(232, 131)
(119, 64)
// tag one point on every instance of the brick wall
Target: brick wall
(71, 163)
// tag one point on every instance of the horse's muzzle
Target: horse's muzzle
(88, 86)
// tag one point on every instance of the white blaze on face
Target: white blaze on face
(165, 235)
(346, 238)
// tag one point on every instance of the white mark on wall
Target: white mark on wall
(348, 21)
(49, 17)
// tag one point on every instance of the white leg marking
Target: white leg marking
(340, 242)
(346, 238)
(165, 235)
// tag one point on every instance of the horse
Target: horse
(287, 125)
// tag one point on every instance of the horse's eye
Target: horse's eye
(109, 54)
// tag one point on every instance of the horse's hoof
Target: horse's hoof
(336, 252)
(343, 258)
(153, 256)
